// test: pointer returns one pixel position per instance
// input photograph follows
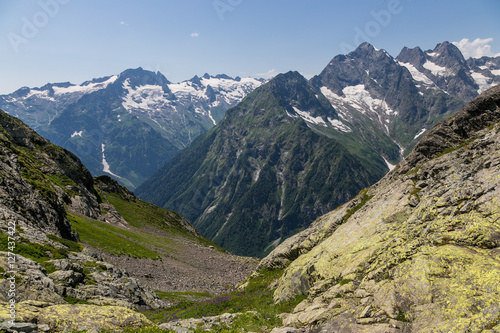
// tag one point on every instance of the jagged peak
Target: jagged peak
(139, 77)
(196, 80)
(366, 49)
(409, 55)
(446, 49)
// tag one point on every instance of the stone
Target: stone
(366, 313)
(66, 278)
(205, 323)
(284, 330)
(81, 316)
(18, 327)
(66, 265)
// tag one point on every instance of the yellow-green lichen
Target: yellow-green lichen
(84, 317)
(433, 261)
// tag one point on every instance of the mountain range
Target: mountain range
(417, 251)
(339, 132)
(128, 125)
(294, 149)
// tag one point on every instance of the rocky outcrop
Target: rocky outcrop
(35, 316)
(81, 277)
(62, 281)
(418, 251)
(84, 317)
(109, 185)
(205, 323)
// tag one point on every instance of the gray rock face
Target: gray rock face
(447, 69)
(416, 252)
(66, 278)
(81, 277)
(33, 166)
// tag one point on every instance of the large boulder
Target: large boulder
(80, 317)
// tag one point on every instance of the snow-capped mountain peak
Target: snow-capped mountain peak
(448, 71)
(135, 113)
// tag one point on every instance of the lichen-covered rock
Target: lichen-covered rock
(418, 251)
(204, 323)
(85, 317)
(26, 311)
(67, 278)
(32, 282)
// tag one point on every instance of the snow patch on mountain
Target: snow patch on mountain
(358, 97)
(45, 94)
(308, 118)
(105, 165)
(338, 125)
(435, 69)
(231, 91)
(389, 165)
(85, 89)
(422, 131)
(76, 134)
(495, 72)
(146, 97)
(482, 81)
(71, 89)
(186, 88)
(416, 74)
(211, 118)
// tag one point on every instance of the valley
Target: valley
(364, 199)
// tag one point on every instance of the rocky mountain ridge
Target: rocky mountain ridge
(75, 239)
(263, 172)
(366, 109)
(416, 252)
(110, 123)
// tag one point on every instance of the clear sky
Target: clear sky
(45, 41)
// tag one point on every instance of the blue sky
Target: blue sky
(76, 40)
